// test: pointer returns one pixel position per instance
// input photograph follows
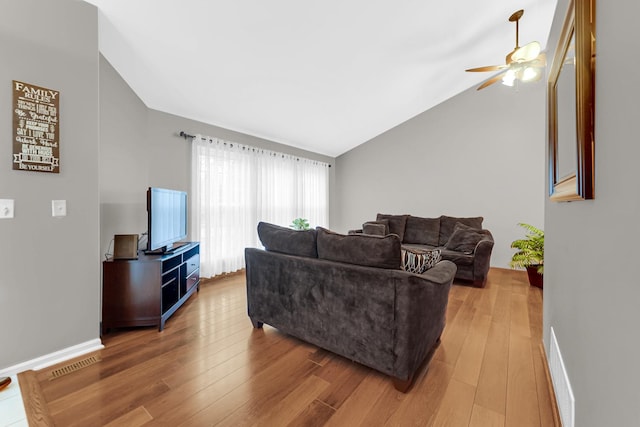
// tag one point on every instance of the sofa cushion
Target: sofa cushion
(288, 241)
(464, 239)
(359, 249)
(397, 223)
(424, 231)
(379, 228)
(448, 222)
(458, 258)
(419, 261)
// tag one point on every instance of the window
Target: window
(235, 186)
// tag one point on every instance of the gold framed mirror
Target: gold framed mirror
(571, 108)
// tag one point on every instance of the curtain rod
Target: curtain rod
(186, 135)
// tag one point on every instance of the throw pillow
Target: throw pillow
(447, 223)
(378, 228)
(418, 261)
(288, 241)
(397, 223)
(464, 239)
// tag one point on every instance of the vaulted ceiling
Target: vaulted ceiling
(324, 76)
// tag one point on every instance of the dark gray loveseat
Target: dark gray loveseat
(460, 240)
(347, 294)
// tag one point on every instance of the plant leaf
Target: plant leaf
(530, 249)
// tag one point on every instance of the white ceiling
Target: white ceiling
(324, 76)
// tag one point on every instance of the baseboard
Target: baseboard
(222, 276)
(561, 384)
(53, 358)
(552, 392)
(501, 268)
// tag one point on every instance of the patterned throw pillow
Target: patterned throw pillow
(419, 261)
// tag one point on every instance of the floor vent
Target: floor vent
(561, 385)
(75, 366)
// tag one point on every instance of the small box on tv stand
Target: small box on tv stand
(125, 246)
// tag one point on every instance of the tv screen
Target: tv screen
(167, 218)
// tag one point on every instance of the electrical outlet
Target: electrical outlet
(58, 208)
(6, 208)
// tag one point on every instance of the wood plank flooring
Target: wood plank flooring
(210, 367)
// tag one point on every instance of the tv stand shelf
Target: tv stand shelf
(148, 290)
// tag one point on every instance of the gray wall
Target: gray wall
(480, 153)
(50, 283)
(592, 290)
(124, 159)
(141, 147)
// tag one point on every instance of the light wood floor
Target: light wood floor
(210, 367)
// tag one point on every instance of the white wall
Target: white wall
(478, 154)
(50, 281)
(592, 285)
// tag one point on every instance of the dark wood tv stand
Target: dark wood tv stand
(148, 290)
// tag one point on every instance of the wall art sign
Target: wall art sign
(36, 128)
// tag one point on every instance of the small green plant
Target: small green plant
(530, 249)
(300, 224)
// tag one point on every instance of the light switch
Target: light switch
(58, 208)
(6, 208)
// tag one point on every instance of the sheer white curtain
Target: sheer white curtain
(235, 186)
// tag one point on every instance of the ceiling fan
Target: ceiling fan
(522, 63)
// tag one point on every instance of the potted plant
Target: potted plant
(300, 224)
(530, 254)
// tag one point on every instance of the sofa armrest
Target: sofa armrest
(482, 259)
(440, 274)
(420, 310)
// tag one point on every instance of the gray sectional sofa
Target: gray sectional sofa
(460, 240)
(347, 294)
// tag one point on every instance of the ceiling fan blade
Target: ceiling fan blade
(527, 52)
(487, 68)
(492, 80)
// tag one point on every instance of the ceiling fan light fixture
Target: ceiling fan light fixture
(509, 78)
(531, 74)
(528, 52)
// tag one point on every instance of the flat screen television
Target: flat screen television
(167, 218)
